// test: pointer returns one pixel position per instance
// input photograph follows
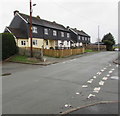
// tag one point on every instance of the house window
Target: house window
(68, 35)
(62, 34)
(67, 42)
(54, 33)
(83, 38)
(34, 29)
(46, 31)
(35, 42)
(78, 37)
(23, 43)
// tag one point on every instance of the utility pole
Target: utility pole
(98, 38)
(31, 51)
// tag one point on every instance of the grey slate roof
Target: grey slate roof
(18, 33)
(80, 32)
(42, 22)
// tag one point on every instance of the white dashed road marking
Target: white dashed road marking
(101, 83)
(108, 75)
(96, 89)
(102, 70)
(90, 81)
(84, 86)
(113, 69)
(94, 77)
(110, 71)
(90, 95)
(105, 68)
(77, 93)
(104, 78)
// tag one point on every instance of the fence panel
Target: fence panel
(62, 53)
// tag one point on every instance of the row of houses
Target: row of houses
(45, 34)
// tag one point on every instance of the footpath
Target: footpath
(52, 60)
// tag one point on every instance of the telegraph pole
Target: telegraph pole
(31, 51)
(98, 38)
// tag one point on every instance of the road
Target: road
(60, 87)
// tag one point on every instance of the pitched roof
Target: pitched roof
(80, 32)
(42, 22)
(18, 33)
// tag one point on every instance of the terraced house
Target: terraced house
(45, 34)
(79, 38)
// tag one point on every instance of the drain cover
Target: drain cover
(6, 74)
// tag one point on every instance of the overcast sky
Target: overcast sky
(84, 15)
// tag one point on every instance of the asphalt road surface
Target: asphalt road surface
(61, 87)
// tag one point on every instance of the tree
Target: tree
(9, 47)
(109, 41)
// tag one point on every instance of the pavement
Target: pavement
(52, 60)
(60, 87)
(100, 108)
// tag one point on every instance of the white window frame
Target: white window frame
(62, 34)
(78, 37)
(68, 35)
(34, 29)
(54, 33)
(82, 38)
(45, 31)
(23, 42)
(35, 42)
(67, 43)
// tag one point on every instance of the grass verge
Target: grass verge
(24, 59)
(89, 50)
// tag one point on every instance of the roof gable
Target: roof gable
(78, 32)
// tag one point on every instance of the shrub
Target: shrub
(9, 47)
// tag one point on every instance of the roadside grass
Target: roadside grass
(23, 59)
(89, 50)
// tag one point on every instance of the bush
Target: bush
(9, 47)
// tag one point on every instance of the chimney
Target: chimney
(16, 11)
(68, 27)
(54, 22)
(38, 16)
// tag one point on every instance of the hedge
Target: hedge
(9, 47)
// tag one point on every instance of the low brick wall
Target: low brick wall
(37, 52)
(27, 52)
(95, 47)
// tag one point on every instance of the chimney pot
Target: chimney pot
(16, 11)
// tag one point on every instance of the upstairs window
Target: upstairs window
(35, 42)
(83, 38)
(62, 34)
(54, 33)
(34, 29)
(46, 31)
(78, 37)
(23, 43)
(68, 35)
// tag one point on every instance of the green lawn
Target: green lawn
(88, 50)
(24, 59)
